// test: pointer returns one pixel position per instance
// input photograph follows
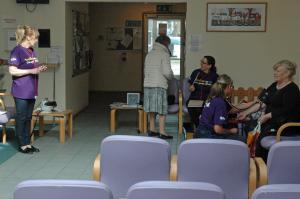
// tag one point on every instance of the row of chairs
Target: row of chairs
(78, 189)
(220, 162)
(126, 160)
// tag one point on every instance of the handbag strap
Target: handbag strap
(257, 129)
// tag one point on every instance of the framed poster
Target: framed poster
(82, 55)
(230, 17)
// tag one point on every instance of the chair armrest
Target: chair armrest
(173, 170)
(96, 169)
(180, 112)
(262, 172)
(5, 94)
(252, 177)
(282, 127)
(180, 99)
(2, 105)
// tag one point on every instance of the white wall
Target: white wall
(77, 87)
(71, 92)
(247, 57)
(42, 17)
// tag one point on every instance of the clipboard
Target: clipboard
(195, 103)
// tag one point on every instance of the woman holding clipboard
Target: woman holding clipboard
(200, 82)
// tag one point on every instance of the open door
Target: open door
(175, 28)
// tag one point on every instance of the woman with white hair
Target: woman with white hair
(156, 75)
(281, 103)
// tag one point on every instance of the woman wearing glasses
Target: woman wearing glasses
(200, 82)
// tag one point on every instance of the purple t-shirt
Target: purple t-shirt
(26, 86)
(214, 112)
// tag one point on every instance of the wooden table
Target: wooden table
(66, 115)
(113, 110)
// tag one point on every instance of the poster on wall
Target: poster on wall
(10, 38)
(243, 17)
(82, 55)
(123, 38)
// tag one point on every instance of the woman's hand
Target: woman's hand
(42, 68)
(242, 115)
(38, 69)
(233, 131)
(220, 130)
(192, 88)
(264, 118)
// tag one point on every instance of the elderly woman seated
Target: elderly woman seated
(281, 102)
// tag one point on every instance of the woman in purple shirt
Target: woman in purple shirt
(24, 68)
(214, 116)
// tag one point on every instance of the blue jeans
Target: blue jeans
(205, 132)
(24, 109)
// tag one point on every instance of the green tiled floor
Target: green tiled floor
(7, 151)
(74, 159)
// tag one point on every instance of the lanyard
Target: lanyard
(35, 76)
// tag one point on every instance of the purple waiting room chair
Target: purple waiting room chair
(174, 190)
(126, 160)
(278, 191)
(282, 165)
(269, 141)
(225, 163)
(62, 189)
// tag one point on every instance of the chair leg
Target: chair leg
(3, 134)
(180, 123)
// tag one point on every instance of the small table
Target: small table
(66, 115)
(120, 106)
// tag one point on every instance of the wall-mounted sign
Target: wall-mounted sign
(133, 23)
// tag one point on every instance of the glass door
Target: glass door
(175, 29)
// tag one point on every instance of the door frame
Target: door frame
(179, 15)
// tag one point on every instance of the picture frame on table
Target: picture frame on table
(133, 99)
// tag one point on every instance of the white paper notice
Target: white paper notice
(195, 43)
(56, 54)
(10, 39)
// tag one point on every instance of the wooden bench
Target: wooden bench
(248, 94)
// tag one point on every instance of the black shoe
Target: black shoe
(26, 150)
(153, 134)
(162, 136)
(34, 149)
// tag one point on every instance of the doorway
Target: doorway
(175, 29)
